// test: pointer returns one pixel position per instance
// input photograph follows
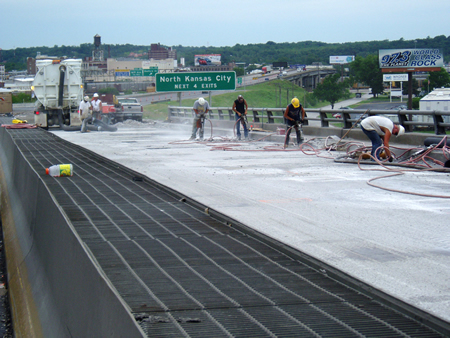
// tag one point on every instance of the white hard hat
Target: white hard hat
(401, 130)
(95, 95)
(86, 98)
(201, 101)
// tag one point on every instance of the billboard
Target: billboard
(411, 58)
(280, 64)
(122, 72)
(207, 60)
(340, 60)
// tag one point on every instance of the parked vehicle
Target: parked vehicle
(131, 108)
(111, 109)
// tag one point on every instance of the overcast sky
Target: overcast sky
(27, 23)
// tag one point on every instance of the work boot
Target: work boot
(191, 138)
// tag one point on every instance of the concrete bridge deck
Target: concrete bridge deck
(178, 268)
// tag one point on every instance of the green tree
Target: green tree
(439, 79)
(332, 90)
(239, 71)
(367, 70)
(415, 88)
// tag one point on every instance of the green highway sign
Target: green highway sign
(144, 72)
(136, 72)
(179, 82)
(151, 71)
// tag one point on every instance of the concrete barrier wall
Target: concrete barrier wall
(56, 288)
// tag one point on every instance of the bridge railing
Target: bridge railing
(412, 120)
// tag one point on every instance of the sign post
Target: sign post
(395, 78)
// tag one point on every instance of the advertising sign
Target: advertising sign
(395, 77)
(340, 60)
(207, 60)
(176, 82)
(122, 72)
(411, 58)
(280, 64)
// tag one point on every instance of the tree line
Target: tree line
(305, 52)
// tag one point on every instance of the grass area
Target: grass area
(263, 95)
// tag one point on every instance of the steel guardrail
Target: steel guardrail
(411, 119)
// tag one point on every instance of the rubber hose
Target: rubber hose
(62, 73)
(435, 140)
(104, 126)
(62, 125)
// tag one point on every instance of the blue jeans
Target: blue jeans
(376, 142)
(238, 129)
(197, 124)
(297, 131)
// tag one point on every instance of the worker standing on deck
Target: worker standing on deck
(96, 107)
(240, 107)
(85, 108)
(201, 108)
(379, 130)
(294, 114)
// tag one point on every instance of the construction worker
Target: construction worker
(201, 108)
(85, 108)
(294, 115)
(96, 107)
(240, 107)
(379, 130)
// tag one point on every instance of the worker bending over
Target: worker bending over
(201, 108)
(379, 130)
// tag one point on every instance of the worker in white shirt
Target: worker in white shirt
(96, 107)
(85, 108)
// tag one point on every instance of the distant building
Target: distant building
(31, 62)
(157, 52)
(31, 66)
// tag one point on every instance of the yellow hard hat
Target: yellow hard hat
(295, 102)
